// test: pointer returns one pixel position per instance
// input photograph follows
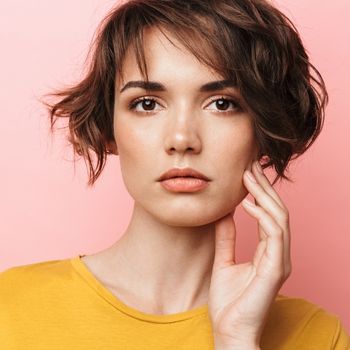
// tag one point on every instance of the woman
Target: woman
(219, 87)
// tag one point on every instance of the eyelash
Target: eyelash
(133, 104)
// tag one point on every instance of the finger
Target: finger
(286, 247)
(260, 250)
(280, 215)
(265, 183)
(264, 199)
(270, 259)
(225, 242)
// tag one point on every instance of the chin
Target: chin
(190, 217)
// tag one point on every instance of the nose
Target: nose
(183, 133)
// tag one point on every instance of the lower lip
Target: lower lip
(184, 184)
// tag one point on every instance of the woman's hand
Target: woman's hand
(240, 295)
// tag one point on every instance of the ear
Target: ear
(112, 147)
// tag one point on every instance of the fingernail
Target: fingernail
(251, 176)
(258, 167)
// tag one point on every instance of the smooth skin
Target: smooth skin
(177, 252)
(240, 295)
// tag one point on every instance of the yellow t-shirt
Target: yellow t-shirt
(60, 304)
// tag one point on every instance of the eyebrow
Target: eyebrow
(156, 86)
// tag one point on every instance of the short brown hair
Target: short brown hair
(247, 41)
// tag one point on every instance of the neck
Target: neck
(167, 267)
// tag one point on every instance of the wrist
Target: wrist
(236, 346)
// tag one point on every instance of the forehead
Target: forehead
(165, 58)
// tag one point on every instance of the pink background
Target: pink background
(46, 210)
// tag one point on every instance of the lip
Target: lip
(184, 184)
(183, 172)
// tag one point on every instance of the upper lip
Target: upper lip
(183, 172)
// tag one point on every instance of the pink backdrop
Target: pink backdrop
(46, 210)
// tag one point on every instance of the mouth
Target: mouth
(183, 173)
(184, 184)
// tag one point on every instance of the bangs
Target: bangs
(203, 37)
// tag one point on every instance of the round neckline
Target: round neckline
(93, 282)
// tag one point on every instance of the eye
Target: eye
(146, 102)
(223, 103)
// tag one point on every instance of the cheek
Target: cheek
(127, 149)
(235, 148)
(135, 157)
(233, 155)
(128, 140)
(134, 132)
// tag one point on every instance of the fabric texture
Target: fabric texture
(60, 304)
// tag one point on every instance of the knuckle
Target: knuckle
(277, 275)
(279, 232)
(288, 269)
(280, 278)
(285, 216)
(288, 272)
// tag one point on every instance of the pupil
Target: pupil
(222, 103)
(147, 103)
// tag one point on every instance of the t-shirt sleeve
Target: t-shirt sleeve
(341, 340)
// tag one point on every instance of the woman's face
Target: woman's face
(184, 127)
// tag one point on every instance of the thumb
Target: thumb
(225, 242)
